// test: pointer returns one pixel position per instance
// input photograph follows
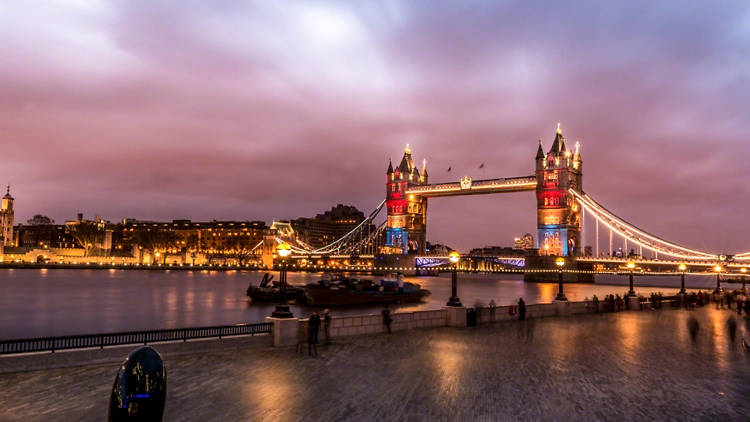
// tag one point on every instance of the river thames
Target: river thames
(52, 302)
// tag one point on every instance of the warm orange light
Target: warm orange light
(743, 270)
(284, 250)
(630, 264)
(560, 261)
(682, 267)
(717, 268)
(454, 257)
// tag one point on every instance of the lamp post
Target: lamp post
(682, 269)
(718, 269)
(743, 270)
(283, 250)
(454, 257)
(560, 262)
(631, 266)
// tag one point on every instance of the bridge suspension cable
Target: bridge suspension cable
(629, 232)
(362, 238)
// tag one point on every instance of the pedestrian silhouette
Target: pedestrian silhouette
(693, 327)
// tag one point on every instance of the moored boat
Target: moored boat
(269, 290)
(342, 291)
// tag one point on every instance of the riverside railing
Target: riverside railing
(50, 344)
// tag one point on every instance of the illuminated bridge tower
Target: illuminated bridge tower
(406, 227)
(558, 215)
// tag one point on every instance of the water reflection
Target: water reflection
(50, 302)
(271, 394)
(448, 358)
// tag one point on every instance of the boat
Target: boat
(269, 290)
(343, 291)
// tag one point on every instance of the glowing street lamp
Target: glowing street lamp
(743, 270)
(454, 257)
(283, 250)
(682, 269)
(718, 269)
(560, 262)
(631, 266)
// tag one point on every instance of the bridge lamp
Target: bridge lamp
(717, 269)
(682, 269)
(454, 257)
(560, 262)
(283, 250)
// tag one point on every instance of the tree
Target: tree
(40, 220)
(240, 247)
(156, 241)
(86, 234)
(193, 245)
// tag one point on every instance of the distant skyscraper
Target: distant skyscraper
(6, 219)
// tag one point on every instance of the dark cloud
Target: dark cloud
(262, 110)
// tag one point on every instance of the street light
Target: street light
(718, 269)
(630, 266)
(682, 269)
(560, 262)
(454, 257)
(283, 250)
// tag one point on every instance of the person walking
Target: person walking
(387, 318)
(312, 338)
(327, 326)
(595, 303)
(521, 309)
(492, 306)
(302, 335)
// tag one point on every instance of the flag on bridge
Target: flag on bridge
(481, 166)
(449, 169)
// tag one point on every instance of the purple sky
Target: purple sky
(263, 110)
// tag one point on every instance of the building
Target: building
(558, 215)
(524, 242)
(193, 241)
(6, 219)
(406, 227)
(494, 251)
(325, 228)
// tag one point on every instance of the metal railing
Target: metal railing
(131, 337)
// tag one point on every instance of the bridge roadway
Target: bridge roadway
(510, 184)
(620, 366)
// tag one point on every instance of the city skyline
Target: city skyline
(263, 111)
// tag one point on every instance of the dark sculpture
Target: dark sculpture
(140, 389)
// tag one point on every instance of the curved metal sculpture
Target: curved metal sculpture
(139, 392)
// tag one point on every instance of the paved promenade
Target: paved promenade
(625, 366)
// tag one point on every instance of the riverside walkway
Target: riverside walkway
(638, 365)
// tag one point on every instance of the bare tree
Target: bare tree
(87, 234)
(240, 247)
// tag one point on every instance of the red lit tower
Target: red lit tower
(558, 214)
(406, 227)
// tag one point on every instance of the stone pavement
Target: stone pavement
(625, 366)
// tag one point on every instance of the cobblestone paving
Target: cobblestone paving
(626, 366)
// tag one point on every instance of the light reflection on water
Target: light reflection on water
(47, 302)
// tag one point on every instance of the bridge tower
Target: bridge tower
(406, 227)
(558, 214)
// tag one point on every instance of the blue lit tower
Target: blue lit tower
(558, 214)
(406, 227)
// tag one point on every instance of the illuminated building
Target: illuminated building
(406, 227)
(558, 214)
(6, 219)
(329, 226)
(524, 242)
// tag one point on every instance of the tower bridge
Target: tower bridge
(561, 203)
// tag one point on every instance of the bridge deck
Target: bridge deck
(475, 187)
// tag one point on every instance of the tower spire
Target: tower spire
(539, 151)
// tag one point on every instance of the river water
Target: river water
(52, 302)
